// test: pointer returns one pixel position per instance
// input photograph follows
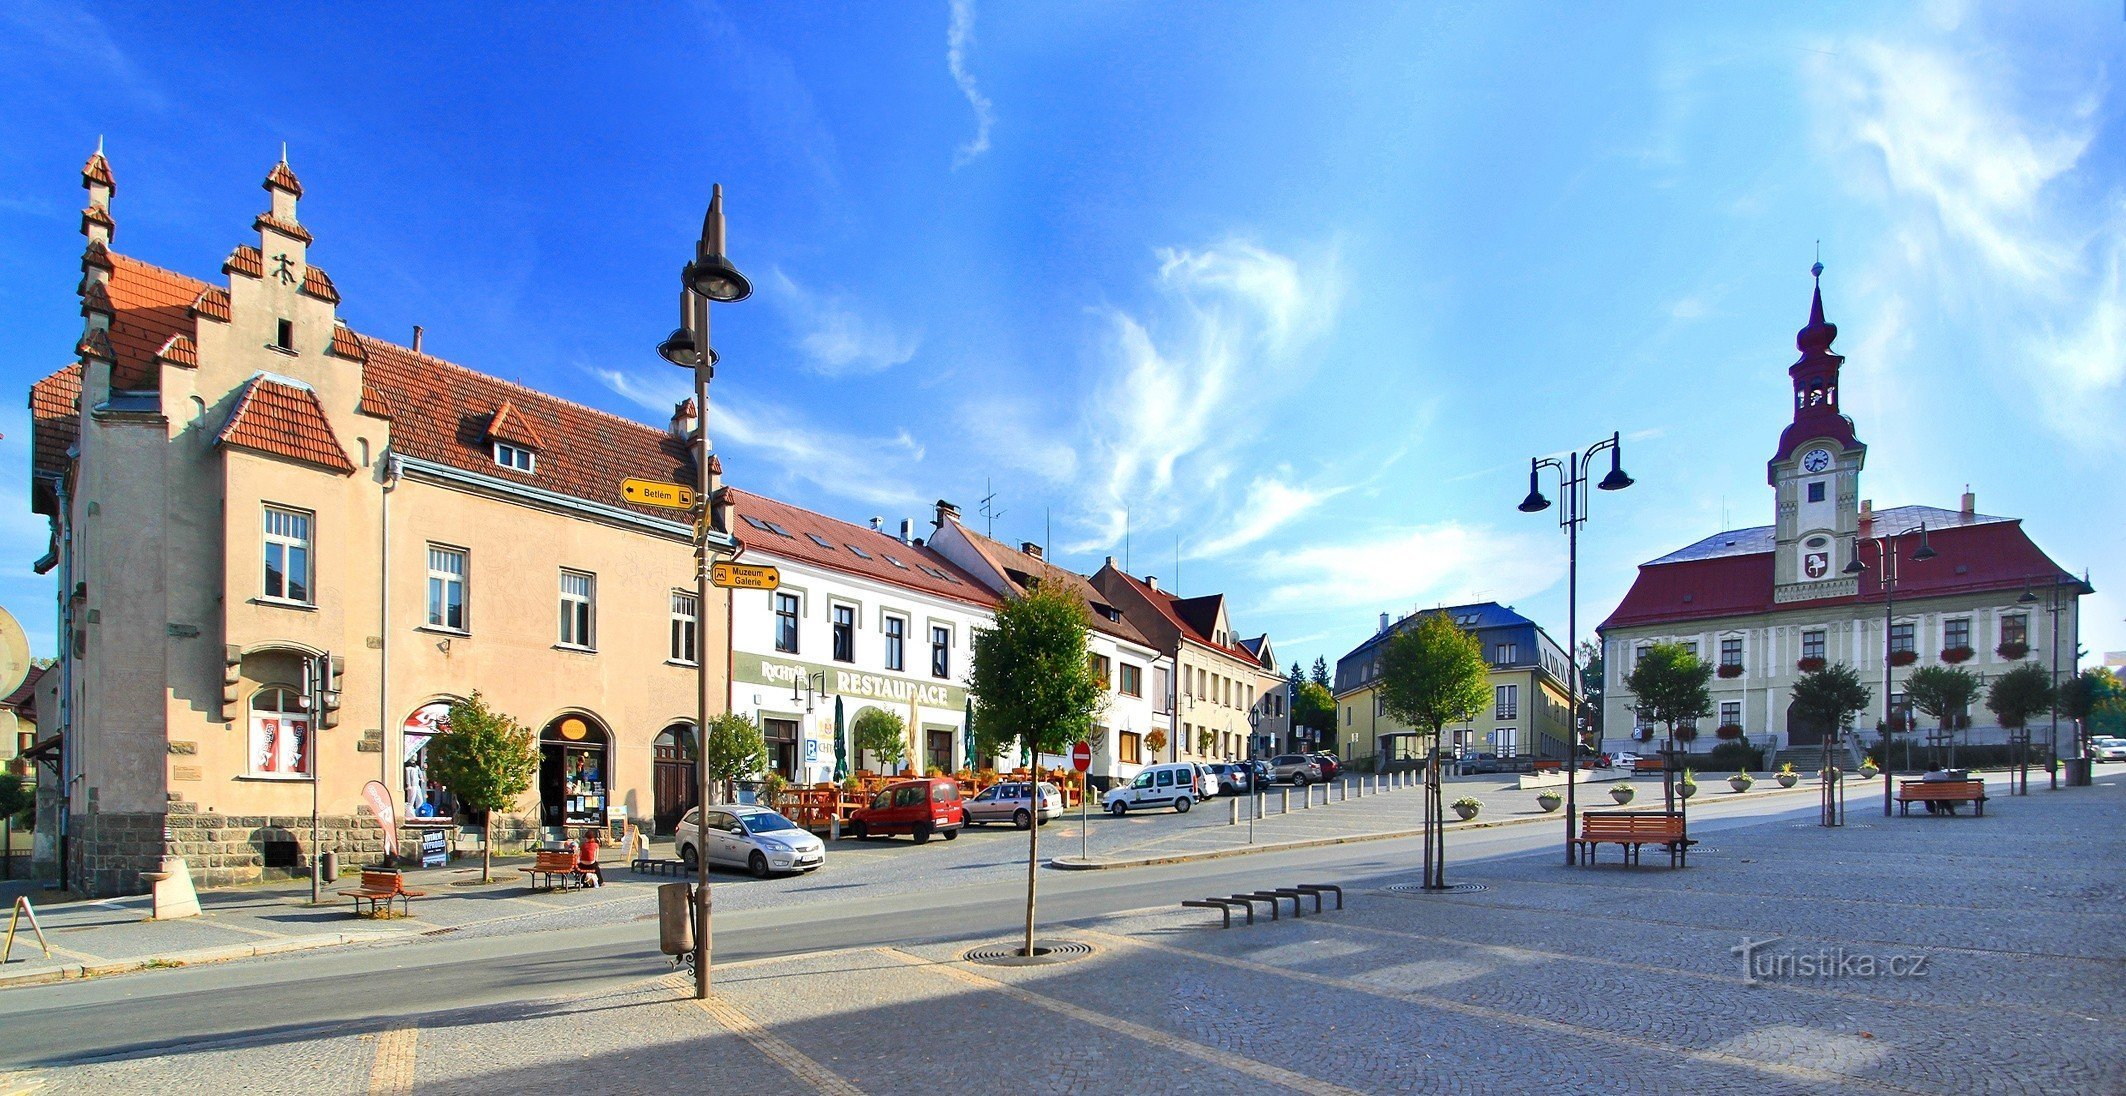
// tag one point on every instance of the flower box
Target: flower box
(2012, 650)
(1729, 731)
(1903, 658)
(1810, 665)
(1731, 670)
(1954, 655)
(1686, 734)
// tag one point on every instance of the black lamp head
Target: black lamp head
(1535, 503)
(1856, 567)
(2028, 598)
(1616, 480)
(678, 348)
(713, 277)
(1926, 551)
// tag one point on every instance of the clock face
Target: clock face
(1816, 460)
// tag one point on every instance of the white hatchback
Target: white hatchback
(754, 838)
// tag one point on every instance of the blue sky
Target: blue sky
(1296, 288)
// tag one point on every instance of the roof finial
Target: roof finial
(284, 152)
(99, 144)
(1817, 270)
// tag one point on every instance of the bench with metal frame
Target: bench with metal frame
(1632, 830)
(561, 869)
(1946, 792)
(378, 888)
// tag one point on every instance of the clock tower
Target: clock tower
(1815, 473)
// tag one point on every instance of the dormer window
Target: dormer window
(514, 457)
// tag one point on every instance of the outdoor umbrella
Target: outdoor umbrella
(972, 764)
(841, 745)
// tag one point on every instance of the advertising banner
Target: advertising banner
(379, 799)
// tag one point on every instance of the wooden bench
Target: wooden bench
(1648, 765)
(559, 868)
(1633, 829)
(379, 887)
(1948, 793)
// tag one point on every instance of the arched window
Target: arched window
(280, 733)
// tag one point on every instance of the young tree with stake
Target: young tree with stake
(1432, 675)
(488, 760)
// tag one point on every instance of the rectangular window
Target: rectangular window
(1691, 645)
(1640, 654)
(579, 599)
(2015, 629)
(1132, 680)
(1506, 702)
(1731, 652)
(1162, 689)
(1506, 741)
(288, 575)
(446, 587)
(896, 643)
(844, 633)
(280, 733)
(686, 621)
(1132, 748)
(1816, 491)
(1956, 633)
(1903, 637)
(284, 335)
(940, 651)
(1731, 713)
(1506, 654)
(786, 623)
(1102, 670)
(514, 457)
(1812, 645)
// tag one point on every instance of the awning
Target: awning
(47, 750)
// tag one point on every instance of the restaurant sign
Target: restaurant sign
(763, 670)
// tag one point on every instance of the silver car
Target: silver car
(754, 838)
(1011, 802)
(1294, 768)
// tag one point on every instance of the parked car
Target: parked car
(1176, 784)
(1329, 765)
(754, 838)
(1258, 774)
(1012, 802)
(1294, 769)
(2107, 748)
(1623, 760)
(918, 808)
(1233, 779)
(1474, 763)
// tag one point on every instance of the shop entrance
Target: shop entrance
(677, 786)
(781, 738)
(573, 770)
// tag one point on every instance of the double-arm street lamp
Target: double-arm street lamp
(1886, 564)
(710, 277)
(2054, 603)
(1572, 513)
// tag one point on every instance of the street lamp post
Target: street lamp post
(1886, 562)
(2055, 602)
(1572, 513)
(710, 277)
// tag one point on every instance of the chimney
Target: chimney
(1970, 502)
(1383, 623)
(1110, 565)
(1867, 518)
(1152, 581)
(416, 338)
(682, 413)
(878, 524)
(945, 511)
(1030, 548)
(907, 530)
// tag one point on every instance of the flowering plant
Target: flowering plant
(1954, 655)
(1810, 665)
(2012, 650)
(1731, 669)
(1903, 658)
(1729, 731)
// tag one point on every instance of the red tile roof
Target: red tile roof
(281, 176)
(149, 305)
(1992, 555)
(24, 698)
(373, 401)
(96, 254)
(346, 345)
(180, 350)
(284, 420)
(318, 285)
(245, 260)
(98, 170)
(95, 214)
(1018, 568)
(510, 425)
(1195, 617)
(925, 570)
(285, 228)
(55, 418)
(212, 304)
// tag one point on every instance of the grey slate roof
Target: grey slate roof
(1762, 538)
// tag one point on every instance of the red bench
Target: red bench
(380, 887)
(1947, 793)
(560, 869)
(1633, 829)
(1648, 765)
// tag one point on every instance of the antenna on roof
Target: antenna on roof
(1125, 538)
(1048, 530)
(1177, 565)
(988, 508)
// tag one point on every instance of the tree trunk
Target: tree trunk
(1033, 860)
(487, 850)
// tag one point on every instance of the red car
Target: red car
(918, 808)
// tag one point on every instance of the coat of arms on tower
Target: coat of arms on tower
(1816, 564)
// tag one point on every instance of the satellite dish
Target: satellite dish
(14, 653)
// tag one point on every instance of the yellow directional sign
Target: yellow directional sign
(744, 576)
(644, 492)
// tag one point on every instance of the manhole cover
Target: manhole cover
(1451, 888)
(1044, 952)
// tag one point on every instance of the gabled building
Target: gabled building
(237, 483)
(1222, 680)
(1767, 603)
(1530, 709)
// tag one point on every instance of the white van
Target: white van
(1176, 784)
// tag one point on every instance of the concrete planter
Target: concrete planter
(1740, 784)
(1787, 780)
(1467, 813)
(1686, 790)
(1622, 794)
(1549, 802)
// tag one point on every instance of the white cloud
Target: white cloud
(1400, 570)
(750, 435)
(959, 34)
(835, 339)
(1272, 503)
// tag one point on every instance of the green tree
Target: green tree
(2082, 695)
(1031, 679)
(2019, 694)
(732, 749)
(1434, 674)
(2107, 704)
(17, 803)
(1315, 709)
(488, 760)
(1321, 672)
(1206, 741)
(1591, 687)
(1831, 696)
(1943, 692)
(1670, 683)
(884, 734)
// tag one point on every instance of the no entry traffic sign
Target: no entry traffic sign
(1081, 755)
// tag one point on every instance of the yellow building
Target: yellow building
(1530, 710)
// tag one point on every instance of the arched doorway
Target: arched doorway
(677, 784)
(575, 764)
(1803, 731)
(426, 801)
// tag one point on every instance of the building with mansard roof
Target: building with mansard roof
(238, 483)
(1527, 672)
(1765, 604)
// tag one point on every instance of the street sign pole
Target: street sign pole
(702, 368)
(1081, 756)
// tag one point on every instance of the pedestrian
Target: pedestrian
(587, 860)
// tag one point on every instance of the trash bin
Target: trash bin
(675, 919)
(331, 864)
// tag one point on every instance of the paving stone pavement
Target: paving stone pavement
(1549, 979)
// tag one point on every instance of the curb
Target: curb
(195, 957)
(1072, 863)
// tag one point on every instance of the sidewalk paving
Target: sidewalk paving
(2014, 917)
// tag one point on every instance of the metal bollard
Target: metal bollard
(1232, 812)
(1284, 801)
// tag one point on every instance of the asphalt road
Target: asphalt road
(308, 994)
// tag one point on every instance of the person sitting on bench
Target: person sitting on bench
(587, 860)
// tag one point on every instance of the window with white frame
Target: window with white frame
(1505, 654)
(1731, 713)
(1506, 702)
(288, 576)
(1162, 689)
(1812, 644)
(579, 605)
(940, 651)
(2015, 628)
(844, 632)
(514, 457)
(686, 627)
(1955, 632)
(896, 629)
(786, 623)
(1506, 742)
(1904, 638)
(280, 733)
(446, 587)
(1731, 651)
